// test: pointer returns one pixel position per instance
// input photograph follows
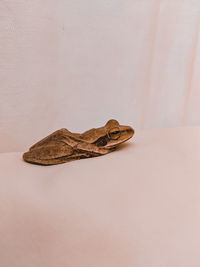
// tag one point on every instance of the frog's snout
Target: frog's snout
(126, 132)
(130, 131)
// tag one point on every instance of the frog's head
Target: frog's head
(108, 136)
(117, 134)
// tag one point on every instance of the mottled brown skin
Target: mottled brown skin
(63, 146)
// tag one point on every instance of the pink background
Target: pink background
(76, 64)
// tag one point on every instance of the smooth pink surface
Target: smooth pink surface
(139, 206)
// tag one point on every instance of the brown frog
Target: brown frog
(63, 145)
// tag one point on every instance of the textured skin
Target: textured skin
(63, 146)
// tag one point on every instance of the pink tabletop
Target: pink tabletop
(136, 207)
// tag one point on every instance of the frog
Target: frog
(63, 146)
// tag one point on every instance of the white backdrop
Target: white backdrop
(76, 64)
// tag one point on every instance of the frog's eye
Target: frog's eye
(114, 133)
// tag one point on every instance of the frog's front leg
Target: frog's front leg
(91, 149)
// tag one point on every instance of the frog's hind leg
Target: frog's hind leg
(57, 136)
(49, 155)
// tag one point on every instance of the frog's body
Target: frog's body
(63, 146)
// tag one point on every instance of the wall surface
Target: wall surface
(76, 64)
